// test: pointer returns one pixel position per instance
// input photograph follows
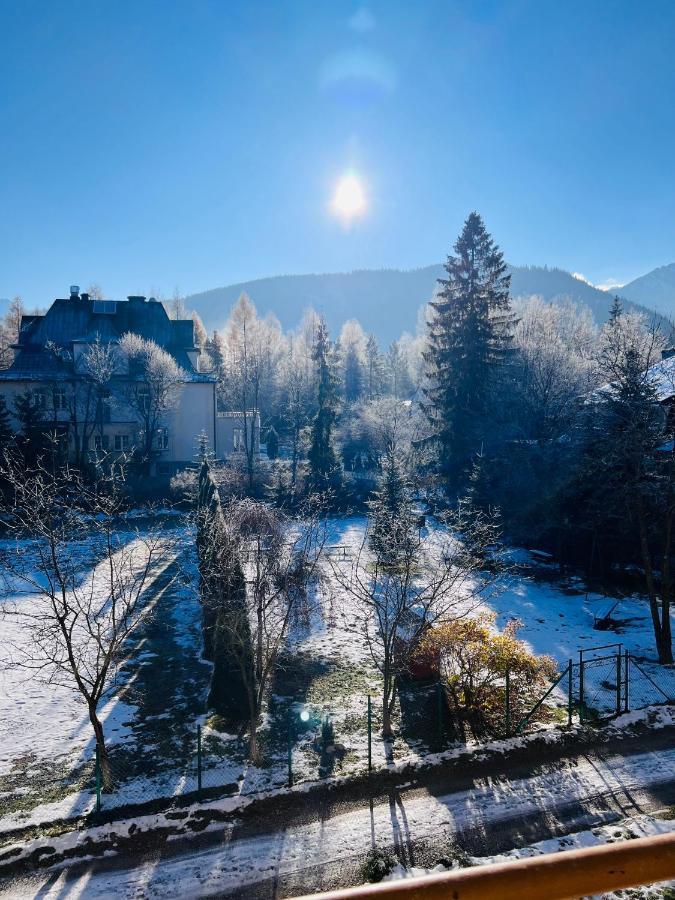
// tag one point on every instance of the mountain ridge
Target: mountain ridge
(655, 289)
(385, 301)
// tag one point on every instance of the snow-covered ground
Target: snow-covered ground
(46, 739)
(394, 825)
(160, 695)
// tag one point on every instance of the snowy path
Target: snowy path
(579, 793)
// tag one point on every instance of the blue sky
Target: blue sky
(150, 146)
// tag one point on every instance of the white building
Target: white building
(47, 365)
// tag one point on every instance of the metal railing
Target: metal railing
(553, 876)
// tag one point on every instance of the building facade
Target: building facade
(70, 363)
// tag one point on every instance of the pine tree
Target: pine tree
(32, 439)
(323, 463)
(469, 344)
(272, 443)
(227, 694)
(374, 374)
(615, 312)
(6, 433)
(392, 517)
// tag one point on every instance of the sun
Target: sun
(349, 199)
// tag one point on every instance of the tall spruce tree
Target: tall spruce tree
(469, 342)
(615, 311)
(324, 467)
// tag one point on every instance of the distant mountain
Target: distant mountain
(385, 301)
(656, 290)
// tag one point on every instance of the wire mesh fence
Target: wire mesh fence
(313, 741)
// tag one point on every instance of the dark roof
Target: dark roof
(80, 319)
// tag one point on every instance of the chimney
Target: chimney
(84, 296)
(134, 298)
(668, 353)
(74, 291)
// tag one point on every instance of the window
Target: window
(161, 441)
(143, 399)
(40, 399)
(60, 398)
(238, 438)
(121, 442)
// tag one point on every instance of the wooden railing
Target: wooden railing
(555, 876)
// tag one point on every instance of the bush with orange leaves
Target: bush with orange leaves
(474, 660)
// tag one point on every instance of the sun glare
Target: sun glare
(349, 200)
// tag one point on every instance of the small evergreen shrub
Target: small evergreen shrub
(377, 864)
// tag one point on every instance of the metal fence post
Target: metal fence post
(581, 684)
(570, 698)
(439, 711)
(627, 695)
(508, 702)
(618, 682)
(290, 750)
(370, 733)
(199, 761)
(98, 779)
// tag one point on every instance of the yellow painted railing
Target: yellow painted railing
(555, 876)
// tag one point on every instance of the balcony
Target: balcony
(554, 876)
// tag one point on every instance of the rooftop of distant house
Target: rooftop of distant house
(81, 319)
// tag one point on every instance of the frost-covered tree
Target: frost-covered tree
(556, 366)
(396, 368)
(374, 375)
(352, 351)
(151, 390)
(252, 349)
(391, 514)
(625, 485)
(469, 341)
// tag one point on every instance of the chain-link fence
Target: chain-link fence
(310, 741)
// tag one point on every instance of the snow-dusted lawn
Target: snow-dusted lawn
(152, 711)
(46, 740)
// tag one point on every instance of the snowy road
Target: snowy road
(496, 814)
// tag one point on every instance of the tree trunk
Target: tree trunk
(387, 697)
(663, 643)
(104, 762)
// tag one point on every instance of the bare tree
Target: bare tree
(9, 331)
(82, 398)
(151, 389)
(403, 582)
(95, 291)
(83, 586)
(267, 565)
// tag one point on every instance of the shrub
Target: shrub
(377, 864)
(474, 660)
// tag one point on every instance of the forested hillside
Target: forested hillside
(385, 301)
